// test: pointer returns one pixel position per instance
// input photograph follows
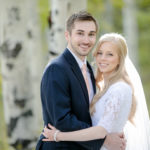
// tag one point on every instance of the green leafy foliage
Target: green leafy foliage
(117, 4)
(0, 86)
(143, 4)
(43, 11)
(143, 13)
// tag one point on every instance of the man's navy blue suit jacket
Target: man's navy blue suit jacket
(65, 102)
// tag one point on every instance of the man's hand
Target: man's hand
(115, 141)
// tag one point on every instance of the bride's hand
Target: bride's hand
(49, 133)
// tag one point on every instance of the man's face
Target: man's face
(82, 38)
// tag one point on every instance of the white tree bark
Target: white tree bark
(21, 66)
(108, 16)
(130, 29)
(60, 11)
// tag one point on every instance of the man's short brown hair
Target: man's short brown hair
(80, 16)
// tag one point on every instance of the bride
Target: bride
(119, 104)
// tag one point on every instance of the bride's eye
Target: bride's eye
(99, 53)
(110, 54)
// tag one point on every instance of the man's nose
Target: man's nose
(86, 39)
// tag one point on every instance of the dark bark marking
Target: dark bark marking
(22, 144)
(52, 34)
(60, 29)
(16, 50)
(49, 19)
(27, 113)
(12, 125)
(68, 6)
(9, 53)
(53, 53)
(29, 33)
(9, 66)
(13, 121)
(15, 13)
(21, 102)
(56, 12)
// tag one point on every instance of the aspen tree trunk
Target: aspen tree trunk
(21, 66)
(130, 29)
(60, 11)
(108, 16)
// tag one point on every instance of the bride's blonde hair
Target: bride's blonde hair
(119, 73)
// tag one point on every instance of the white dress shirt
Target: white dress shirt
(80, 63)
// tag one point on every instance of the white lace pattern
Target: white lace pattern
(113, 108)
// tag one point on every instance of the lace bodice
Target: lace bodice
(113, 108)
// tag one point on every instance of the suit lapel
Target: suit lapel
(92, 77)
(75, 68)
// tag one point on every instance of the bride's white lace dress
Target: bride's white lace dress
(113, 108)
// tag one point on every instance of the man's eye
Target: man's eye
(79, 33)
(92, 34)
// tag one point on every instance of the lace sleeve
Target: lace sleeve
(116, 108)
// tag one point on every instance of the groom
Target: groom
(66, 94)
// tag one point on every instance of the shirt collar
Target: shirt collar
(79, 61)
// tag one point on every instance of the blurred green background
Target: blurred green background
(96, 7)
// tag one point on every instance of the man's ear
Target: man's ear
(67, 35)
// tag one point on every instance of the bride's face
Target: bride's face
(107, 58)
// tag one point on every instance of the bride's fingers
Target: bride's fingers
(46, 140)
(45, 130)
(51, 127)
(45, 135)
